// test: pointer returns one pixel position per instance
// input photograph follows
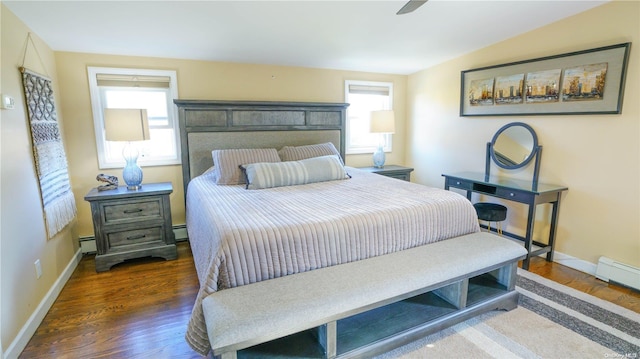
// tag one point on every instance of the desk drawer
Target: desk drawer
(458, 183)
(512, 195)
(132, 210)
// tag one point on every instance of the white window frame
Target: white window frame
(97, 105)
(351, 148)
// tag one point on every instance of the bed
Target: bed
(240, 236)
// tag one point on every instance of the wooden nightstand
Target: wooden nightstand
(399, 172)
(132, 224)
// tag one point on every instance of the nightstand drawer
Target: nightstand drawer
(135, 237)
(393, 171)
(132, 210)
(400, 176)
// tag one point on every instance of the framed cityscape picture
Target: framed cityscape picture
(575, 83)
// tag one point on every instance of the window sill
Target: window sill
(140, 163)
(363, 151)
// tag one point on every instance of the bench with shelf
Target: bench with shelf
(366, 307)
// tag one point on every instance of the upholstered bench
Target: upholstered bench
(449, 281)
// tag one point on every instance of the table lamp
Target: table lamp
(382, 122)
(128, 125)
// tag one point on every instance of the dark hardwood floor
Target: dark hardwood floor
(620, 295)
(140, 309)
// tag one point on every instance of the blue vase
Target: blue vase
(379, 157)
(132, 173)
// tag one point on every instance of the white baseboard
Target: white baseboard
(573, 262)
(180, 232)
(30, 327)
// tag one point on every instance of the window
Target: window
(153, 90)
(364, 97)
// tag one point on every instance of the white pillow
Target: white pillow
(290, 173)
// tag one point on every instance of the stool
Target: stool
(491, 212)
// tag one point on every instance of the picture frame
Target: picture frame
(576, 83)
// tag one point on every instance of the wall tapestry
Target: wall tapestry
(48, 152)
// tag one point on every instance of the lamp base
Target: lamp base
(379, 158)
(132, 173)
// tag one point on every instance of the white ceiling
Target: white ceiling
(351, 35)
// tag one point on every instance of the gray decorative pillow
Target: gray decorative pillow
(316, 169)
(297, 153)
(226, 162)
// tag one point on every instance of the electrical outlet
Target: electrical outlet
(8, 103)
(38, 268)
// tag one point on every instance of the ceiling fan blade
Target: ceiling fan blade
(411, 6)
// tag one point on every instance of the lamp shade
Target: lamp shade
(122, 124)
(382, 122)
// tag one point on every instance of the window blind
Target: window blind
(369, 90)
(133, 80)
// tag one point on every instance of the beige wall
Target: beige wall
(22, 233)
(199, 80)
(596, 156)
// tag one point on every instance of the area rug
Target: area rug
(48, 152)
(551, 321)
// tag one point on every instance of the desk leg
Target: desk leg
(529, 235)
(553, 228)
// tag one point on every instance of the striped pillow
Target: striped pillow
(316, 169)
(226, 162)
(297, 153)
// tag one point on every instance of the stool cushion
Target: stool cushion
(491, 212)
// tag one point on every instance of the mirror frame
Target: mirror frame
(531, 155)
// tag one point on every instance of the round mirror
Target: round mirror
(514, 145)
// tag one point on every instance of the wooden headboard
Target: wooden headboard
(206, 125)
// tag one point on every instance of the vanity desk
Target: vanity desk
(513, 147)
(520, 191)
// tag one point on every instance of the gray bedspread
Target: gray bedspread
(241, 236)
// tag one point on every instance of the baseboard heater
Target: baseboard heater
(88, 244)
(610, 270)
